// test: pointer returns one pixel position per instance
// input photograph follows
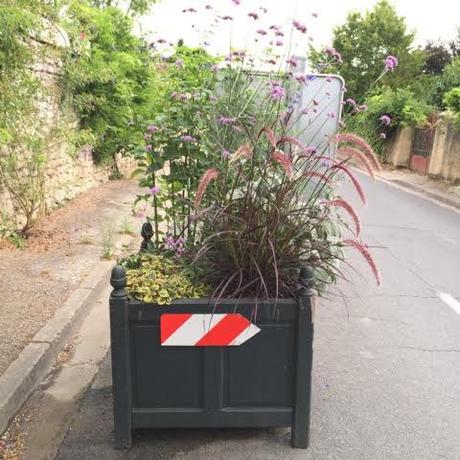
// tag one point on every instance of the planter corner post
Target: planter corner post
(302, 402)
(121, 358)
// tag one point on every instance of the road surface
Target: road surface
(386, 378)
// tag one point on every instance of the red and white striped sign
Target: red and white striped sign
(205, 330)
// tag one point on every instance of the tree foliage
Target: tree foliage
(108, 75)
(365, 40)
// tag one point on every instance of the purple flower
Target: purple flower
(271, 61)
(179, 63)
(227, 18)
(261, 32)
(292, 62)
(333, 53)
(351, 101)
(253, 15)
(277, 91)
(208, 7)
(152, 128)
(362, 108)
(236, 2)
(175, 244)
(391, 63)
(385, 119)
(187, 138)
(278, 33)
(227, 121)
(225, 153)
(274, 27)
(154, 190)
(148, 148)
(315, 15)
(300, 77)
(279, 43)
(299, 26)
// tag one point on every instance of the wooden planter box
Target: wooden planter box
(265, 382)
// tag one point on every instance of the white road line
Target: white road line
(451, 301)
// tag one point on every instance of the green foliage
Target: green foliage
(452, 100)
(22, 144)
(364, 41)
(132, 7)
(183, 90)
(108, 76)
(158, 279)
(450, 78)
(401, 105)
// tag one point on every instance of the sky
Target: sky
(430, 20)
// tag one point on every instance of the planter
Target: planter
(265, 382)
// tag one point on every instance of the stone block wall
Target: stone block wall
(67, 173)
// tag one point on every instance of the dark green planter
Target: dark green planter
(265, 382)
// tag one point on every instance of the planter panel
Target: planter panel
(164, 376)
(265, 382)
(260, 373)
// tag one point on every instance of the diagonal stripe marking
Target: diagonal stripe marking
(193, 329)
(225, 331)
(170, 323)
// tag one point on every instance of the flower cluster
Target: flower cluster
(391, 63)
(334, 54)
(277, 92)
(177, 245)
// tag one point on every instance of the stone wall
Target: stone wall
(67, 173)
(445, 156)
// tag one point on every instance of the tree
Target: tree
(437, 56)
(365, 40)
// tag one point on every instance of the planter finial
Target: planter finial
(147, 233)
(306, 281)
(118, 281)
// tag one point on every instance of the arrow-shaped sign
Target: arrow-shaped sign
(205, 330)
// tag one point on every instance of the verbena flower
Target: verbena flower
(154, 190)
(391, 63)
(225, 153)
(385, 119)
(179, 63)
(152, 128)
(227, 121)
(334, 54)
(277, 92)
(236, 2)
(293, 62)
(187, 138)
(261, 32)
(299, 26)
(351, 101)
(148, 148)
(253, 15)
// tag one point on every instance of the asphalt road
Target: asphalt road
(386, 361)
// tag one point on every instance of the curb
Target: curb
(34, 362)
(433, 195)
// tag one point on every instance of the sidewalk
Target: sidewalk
(60, 253)
(439, 190)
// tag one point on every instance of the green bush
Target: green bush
(107, 75)
(450, 78)
(400, 105)
(452, 100)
